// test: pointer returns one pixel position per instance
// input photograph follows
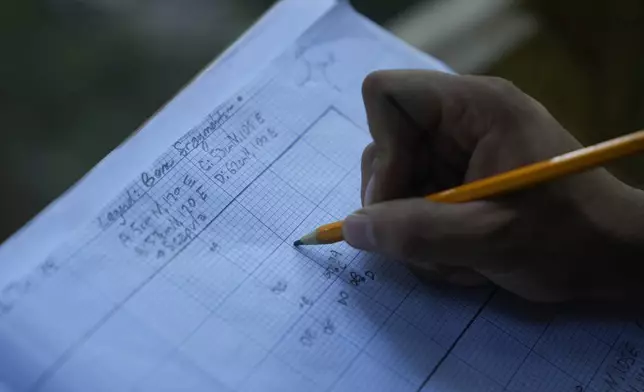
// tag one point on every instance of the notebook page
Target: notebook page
(188, 280)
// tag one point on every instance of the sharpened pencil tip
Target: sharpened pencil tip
(298, 243)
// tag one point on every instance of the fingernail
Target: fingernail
(368, 192)
(358, 231)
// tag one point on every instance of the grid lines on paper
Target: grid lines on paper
(519, 346)
(231, 311)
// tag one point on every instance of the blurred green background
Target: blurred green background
(78, 76)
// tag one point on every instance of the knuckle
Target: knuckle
(368, 161)
(507, 108)
(374, 83)
(369, 154)
(500, 85)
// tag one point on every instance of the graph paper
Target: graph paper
(188, 280)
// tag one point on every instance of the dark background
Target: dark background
(77, 77)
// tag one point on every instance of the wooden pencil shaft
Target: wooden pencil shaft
(570, 163)
(329, 233)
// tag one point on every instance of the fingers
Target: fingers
(368, 162)
(393, 134)
(462, 107)
(403, 109)
(427, 125)
(416, 230)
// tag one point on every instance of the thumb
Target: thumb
(418, 230)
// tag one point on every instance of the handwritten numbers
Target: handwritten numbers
(356, 278)
(308, 337)
(189, 181)
(343, 298)
(329, 327)
(279, 287)
(125, 239)
(140, 251)
(171, 197)
(13, 293)
(202, 194)
(305, 302)
(330, 271)
(49, 267)
(213, 246)
(259, 118)
(311, 334)
(623, 363)
(260, 141)
(335, 266)
(188, 206)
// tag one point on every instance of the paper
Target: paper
(187, 279)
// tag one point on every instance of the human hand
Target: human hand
(581, 237)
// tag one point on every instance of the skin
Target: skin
(577, 238)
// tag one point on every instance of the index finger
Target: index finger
(426, 124)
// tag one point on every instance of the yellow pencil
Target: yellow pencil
(573, 162)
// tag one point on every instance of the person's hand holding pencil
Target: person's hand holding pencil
(576, 237)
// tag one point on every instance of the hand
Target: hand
(581, 237)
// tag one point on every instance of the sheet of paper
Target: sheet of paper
(187, 280)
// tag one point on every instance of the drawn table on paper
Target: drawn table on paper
(188, 279)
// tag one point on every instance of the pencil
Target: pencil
(526, 176)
